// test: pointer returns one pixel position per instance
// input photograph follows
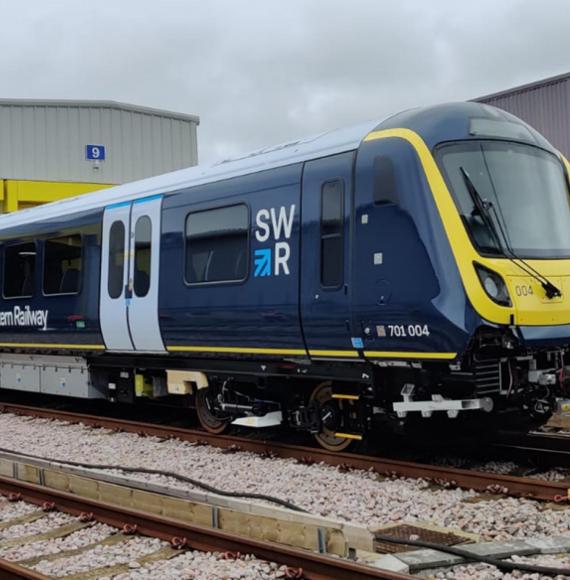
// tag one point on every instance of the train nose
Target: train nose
(534, 306)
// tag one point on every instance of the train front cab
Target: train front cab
(499, 248)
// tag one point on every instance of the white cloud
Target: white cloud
(263, 71)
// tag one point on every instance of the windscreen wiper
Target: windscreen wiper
(483, 206)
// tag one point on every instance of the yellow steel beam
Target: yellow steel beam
(16, 192)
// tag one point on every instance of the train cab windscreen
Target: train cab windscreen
(510, 195)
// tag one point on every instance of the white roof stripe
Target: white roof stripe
(321, 145)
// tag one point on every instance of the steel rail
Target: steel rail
(550, 446)
(557, 491)
(314, 566)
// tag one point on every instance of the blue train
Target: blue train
(415, 266)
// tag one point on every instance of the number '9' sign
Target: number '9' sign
(95, 152)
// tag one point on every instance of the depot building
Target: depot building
(544, 104)
(52, 149)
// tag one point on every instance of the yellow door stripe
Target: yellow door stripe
(347, 397)
(51, 345)
(410, 355)
(244, 350)
(316, 353)
(334, 353)
(237, 350)
(253, 350)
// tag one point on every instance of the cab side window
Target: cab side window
(385, 184)
(332, 227)
(19, 270)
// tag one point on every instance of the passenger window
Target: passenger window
(62, 265)
(116, 259)
(332, 222)
(216, 245)
(143, 236)
(19, 270)
(385, 185)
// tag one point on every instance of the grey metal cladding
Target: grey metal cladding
(544, 104)
(46, 140)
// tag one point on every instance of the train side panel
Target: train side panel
(230, 267)
(49, 297)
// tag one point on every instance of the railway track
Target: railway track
(554, 491)
(550, 447)
(301, 563)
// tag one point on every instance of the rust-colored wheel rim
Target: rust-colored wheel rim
(322, 395)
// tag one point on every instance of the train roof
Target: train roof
(321, 145)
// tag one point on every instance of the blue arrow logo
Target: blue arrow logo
(262, 260)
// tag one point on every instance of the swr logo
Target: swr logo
(273, 260)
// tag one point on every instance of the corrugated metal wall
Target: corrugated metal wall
(545, 105)
(47, 142)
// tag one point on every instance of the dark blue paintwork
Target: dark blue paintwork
(259, 312)
(451, 122)
(417, 282)
(72, 319)
(325, 311)
(540, 336)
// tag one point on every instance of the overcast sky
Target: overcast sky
(259, 72)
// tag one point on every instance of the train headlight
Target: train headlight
(491, 287)
(494, 286)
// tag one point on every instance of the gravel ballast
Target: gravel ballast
(356, 496)
(205, 566)
(45, 524)
(128, 552)
(11, 510)
(79, 539)
(101, 556)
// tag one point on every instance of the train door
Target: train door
(325, 306)
(129, 276)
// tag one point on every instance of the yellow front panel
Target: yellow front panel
(532, 306)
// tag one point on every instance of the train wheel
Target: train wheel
(207, 419)
(330, 411)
